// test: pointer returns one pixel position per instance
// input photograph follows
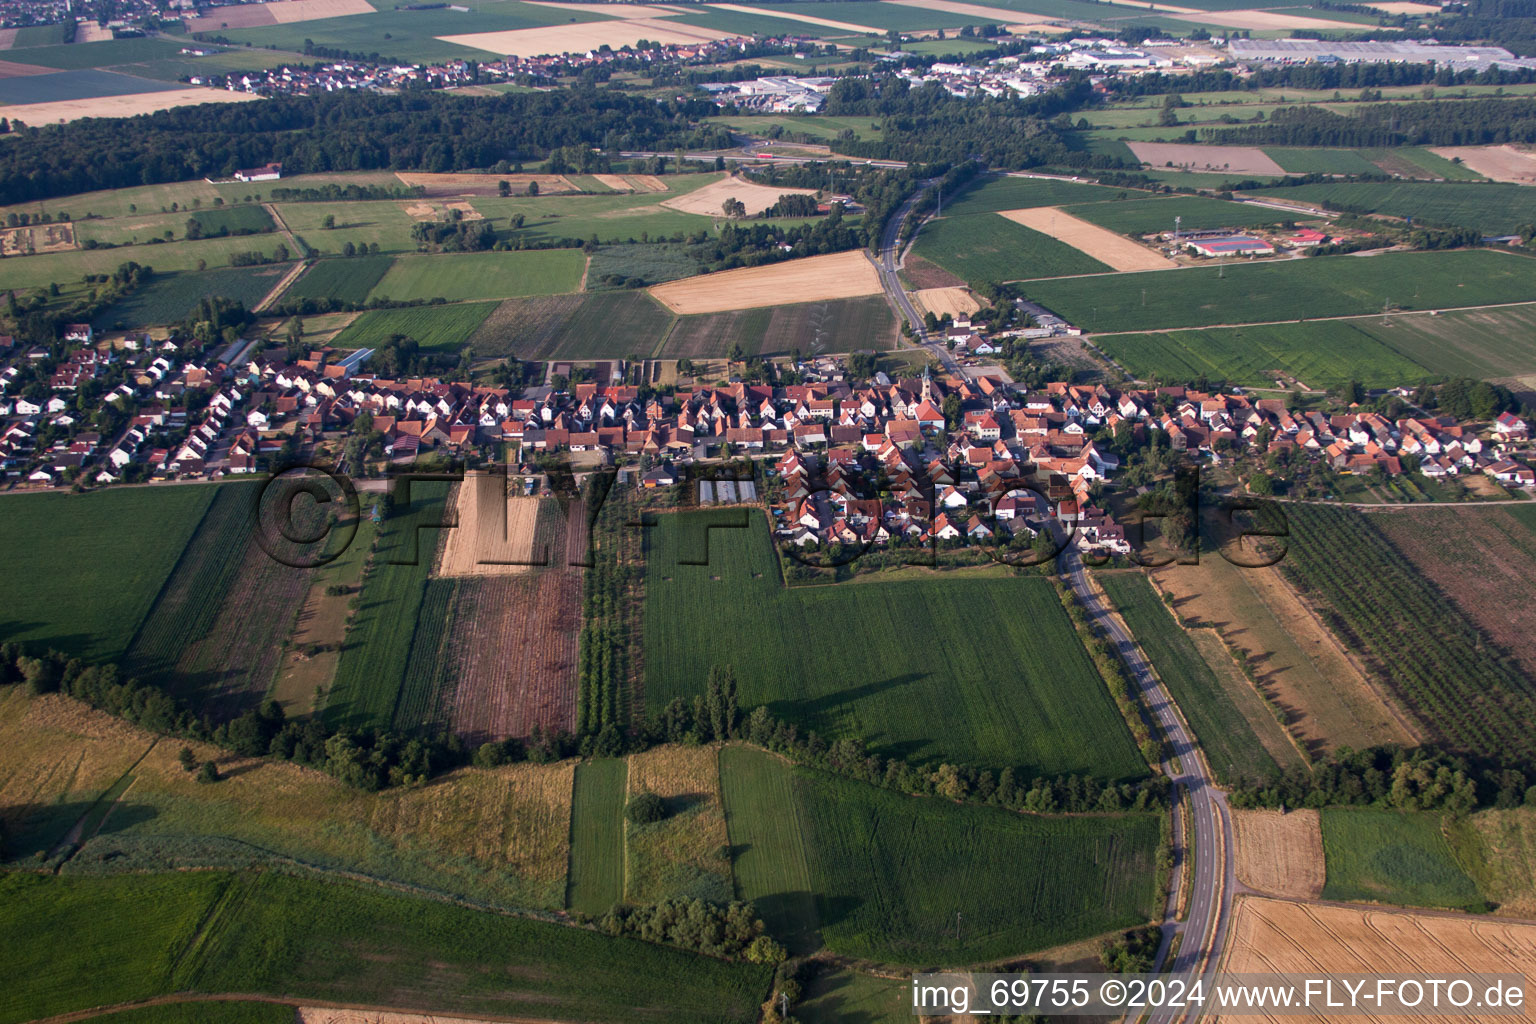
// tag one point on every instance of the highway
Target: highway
(1204, 928)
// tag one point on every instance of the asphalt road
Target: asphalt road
(1205, 924)
(889, 263)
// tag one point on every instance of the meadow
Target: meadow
(1226, 724)
(651, 263)
(1392, 857)
(63, 267)
(767, 835)
(1321, 161)
(347, 280)
(75, 85)
(836, 325)
(1318, 353)
(447, 328)
(133, 937)
(611, 217)
(597, 836)
(878, 661)
(987, 247)
(368, 222)
(106, 53)
(1145, 216)
(686, 854)
(896, 875)
(1490, 207)
(371, 672)
(1005, 193)
(1315, 288)
(78, 585)
(168, 298)
(481, 275)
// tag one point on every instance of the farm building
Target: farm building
(1231, 245)
(266, 172)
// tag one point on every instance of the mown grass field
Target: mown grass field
(82, 942)
(1490, 207)
(987, 247)
(1392, 857)
(169, 298)
(767, 836)
(371, 672)
(481, 275)
(448, 328)
(65, 267)
(1321, 161)
(685, 854)
(837, 325)
(367, 222)
(597, 836)
(349, 280)
(880, 661)
(1145, 216)
(1316, 288)
(1319, 353)
(1227, 724)
(76, 583)
(891, 872)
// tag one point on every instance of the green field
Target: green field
(1227, 724)
(880, 661)
(767, 833)
(1471, 343)
(989, 247)
(347, 280)
(76, 584)
(1006, 193)
(1392, 857)
(618, 217)
(371, 673)
(1321, 161)
(448, 328)
(134, 202)
(248, 219)
(838, 325)
(366, 222)
(78, 56)
(481, 275)
(75, 943)
(1318, 353)
(1490, 207)
(168, 298)
(1315, 288)
(580, 326)
(891, 872)
(840, 996)
(651, 264)
(202, 1012)
(1144, 216)
(597, 836)
(64, 267)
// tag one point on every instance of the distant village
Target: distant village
(876, 461)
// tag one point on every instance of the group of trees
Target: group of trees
(455, 234)
(730, 930)
(1422, 779)
(1472, 122)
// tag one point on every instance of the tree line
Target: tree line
(1476, 122)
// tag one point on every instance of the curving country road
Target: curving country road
(889, 263)
(1204, 928)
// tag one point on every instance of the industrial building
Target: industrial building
(1230, 245)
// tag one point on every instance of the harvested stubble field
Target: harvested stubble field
(1117, 251)
(1280, 854)
(1275, 936)
(1483, 559)
(121, 106)
(709, 200)
(282, 12)
(1228, 159)
(495, 531)
(812, 327)
(686, 853)
(577, 38)
(956, 302)
(1501, 163)
(842, 275)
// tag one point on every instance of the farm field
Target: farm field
(202, 1012)
(1468, 343)
(687, 853)
(1455, 686)
(125, 202)
(75, 57)
(1321, 287)
(1145, 216)
(1498, 848)
(433, 327)
(336, 942)
(890, 870)
(481, 275)
(611, 217)
(618, 266)
(1098, 243)
(600, 325)
(1500, 163)
(169, 298)
(1327, 703)
(812, 327)
(709, 200)
(1005, 193)
(1488, 569)
(989, 247)
(1493, 209)
(1240, 737)
(346, 280)
(842, 275)
(80, 589)
(368, 222)
(1392, 857)
(370, 675)
(1242, 161)
(1321, 161)
(152, 96)
(1319, 353)
(1278, 936)
(767, 835)
(1281, 853)
(597, 836)
(994, 708)
(955, 302)
(64, 267)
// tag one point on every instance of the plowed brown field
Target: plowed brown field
(1280, 854)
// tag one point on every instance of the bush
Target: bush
(646, 808)
(210, 772)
